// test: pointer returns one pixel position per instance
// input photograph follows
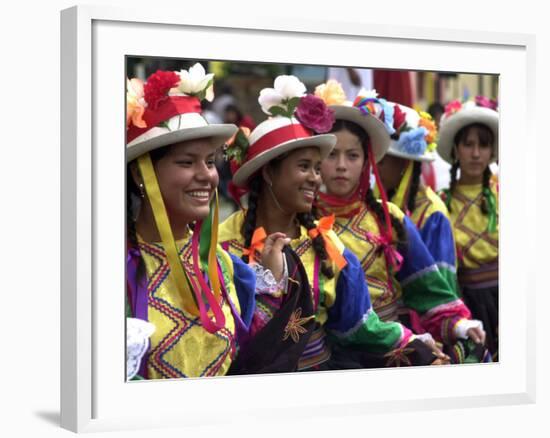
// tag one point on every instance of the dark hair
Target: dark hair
(305, 219)
(486, 137)
(415, 184)
(370, 200)
(133, 191)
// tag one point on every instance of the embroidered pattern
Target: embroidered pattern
(295, 326)
(399, 356)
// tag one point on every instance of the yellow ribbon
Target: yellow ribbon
(404, 186)
(323, 227)
(163, 224)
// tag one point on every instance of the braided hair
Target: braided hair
(486, 137)
(304, 219)
(415, 184)
(370, 200)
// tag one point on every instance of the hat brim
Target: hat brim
(325, 143)
(450, 127)
(216, 134)
(426, 158)
(375, 129)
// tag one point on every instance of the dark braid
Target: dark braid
(249, 224)
(453, 171)
(377, 209)
(486, 180)
(131, 192)
(415, 184)
(307, 220)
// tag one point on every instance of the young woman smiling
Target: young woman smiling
(468, 140)
(404, 280)
(189, 303)
(279, 167)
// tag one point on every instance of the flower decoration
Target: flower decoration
(283, 99)
(135, 103)
(288, 98)
(399, 118)
(237, 148)
(413, 141)
(331, 92)
(485, 102)
(195, 82)
(313, 113)
(452, 107)
(369, 104)
(426, 121)
(157, 87)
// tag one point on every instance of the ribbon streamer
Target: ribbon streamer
(324, 226)
(257, 244)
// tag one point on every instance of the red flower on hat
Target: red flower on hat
(398, 118)
(157, 86)
(313, 113)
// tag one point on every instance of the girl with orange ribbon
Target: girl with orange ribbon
(279, 167)
(189, 303)
(404, 280)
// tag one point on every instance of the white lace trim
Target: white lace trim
(461, 328)
(266, 283)
(138, 332)
(427, 338)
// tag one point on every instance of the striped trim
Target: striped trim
(355, 328)
(447, 266)
(316, 351)
(418, 274)
(484, 276)
(442, 307)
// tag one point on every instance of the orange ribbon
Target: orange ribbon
(258, 239)
(324, 226)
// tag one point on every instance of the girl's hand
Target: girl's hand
(272, 254)
(476, 334)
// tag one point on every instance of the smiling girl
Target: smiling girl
(469, 142)
(189, 303)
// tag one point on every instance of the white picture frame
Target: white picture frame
(94, 394)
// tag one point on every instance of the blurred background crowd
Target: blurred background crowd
(238, 84)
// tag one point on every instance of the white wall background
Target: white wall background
(29, 218)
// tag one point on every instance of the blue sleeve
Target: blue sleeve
(352, 296)
(416, 257)
(437, 235)
(245, 285)
(351, 320)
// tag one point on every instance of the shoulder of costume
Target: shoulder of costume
(436, 203)
(230, 229)
(395, 211)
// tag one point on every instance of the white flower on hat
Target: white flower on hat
(196, 82)
(286, 88)
(370, 94)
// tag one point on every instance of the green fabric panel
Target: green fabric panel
(427, 291)
(374, 334)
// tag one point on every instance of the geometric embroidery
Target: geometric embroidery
(176, 322)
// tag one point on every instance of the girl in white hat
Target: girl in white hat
(279, 167)
(188, 302)
(468, 140)
(404, 279)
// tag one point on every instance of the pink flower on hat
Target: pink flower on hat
(485, 102)
(313, 113)
(452, 107)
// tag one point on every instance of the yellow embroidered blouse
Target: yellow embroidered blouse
(475, 245)
(180, 346)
